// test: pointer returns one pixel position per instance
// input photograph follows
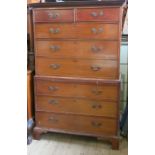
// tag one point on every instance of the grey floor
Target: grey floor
(64, 144)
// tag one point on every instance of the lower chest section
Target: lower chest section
(77, 105)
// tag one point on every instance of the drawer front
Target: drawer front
(50, 15)
(97, 31)
(85, 124)
(77, 49)
(76, 106)
(98, 14)
(91, 91)
(54, 30)
(106, 69)
(77, 31)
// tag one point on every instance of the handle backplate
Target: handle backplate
(55, 48)
(52, 119)
(53, 88)
(97, 14)
(96, 106)
(54, 31)
(55, 66)
(95, 68)
(53, 15)
(97, 30)
(53, 102)
(96, 91)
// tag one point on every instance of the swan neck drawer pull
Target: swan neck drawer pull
(95, 49)
(53, 102)
(54, 31)
(96, 106)
(96, 124)
(55, 48)
(53, 15)
(96, 92)
(53, 119)
(94, 30)
(95, 68)
(95, 14)
(97, 31)
(55, 66)
(53, 88)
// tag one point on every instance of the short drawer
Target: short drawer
(54, 30)
(76, 106)
(107, 69)
(77, 123)
(77, 49)
(52, 15)
(54, 87)
(77, 31)
(98, 14)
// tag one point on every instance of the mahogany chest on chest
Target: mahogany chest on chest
(77, 86)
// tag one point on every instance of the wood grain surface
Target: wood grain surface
(77, 49)
(106, 69)
(77, 31)
(91, 91)
(76, 106)
(98, 125)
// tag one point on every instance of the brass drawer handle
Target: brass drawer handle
(96, 124)
(53, 102)
(53, 15)
(95, 49)
(100, 30)
(101, 13)
(97, 31)
(95, 14)
(96, 106)
(55, 48)
(54, 31)
(53, 88)
(53, 120)
(55, 66)
(95, 68)
(94, 30)
(96, 91)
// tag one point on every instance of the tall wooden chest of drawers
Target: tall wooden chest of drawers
(77, 82)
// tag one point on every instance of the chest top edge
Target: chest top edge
(95, 3)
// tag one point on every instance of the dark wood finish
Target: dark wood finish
(76, 106)
(70, 49)
(92, 91)
(29, 95)
(79, 3)
(30, 41)
(78, 123)
(30, 30)
(77, 59)
(115, 143)
(48, 15)
(106, 69)
(98, 14)
(77, 31)
(37, 132)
